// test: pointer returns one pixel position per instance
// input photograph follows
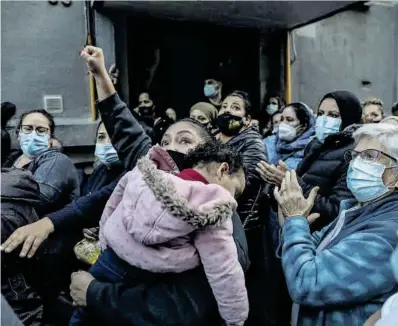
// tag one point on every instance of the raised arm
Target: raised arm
(127, 135)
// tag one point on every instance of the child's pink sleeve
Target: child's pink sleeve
(113, 202)
(219, 257)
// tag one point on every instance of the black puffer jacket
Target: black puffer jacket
(324, 166)
(250, 144)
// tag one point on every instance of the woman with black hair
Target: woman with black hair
(107, 166)
(295, 131)
(233, 122)
(54, 171)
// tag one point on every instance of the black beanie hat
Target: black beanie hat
(349, 107)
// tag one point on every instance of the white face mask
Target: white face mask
(286, 132)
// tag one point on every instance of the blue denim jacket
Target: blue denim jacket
(57, 179)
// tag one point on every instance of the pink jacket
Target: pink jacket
(156, 221)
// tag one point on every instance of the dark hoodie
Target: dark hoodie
(324, 164)
(349, 106)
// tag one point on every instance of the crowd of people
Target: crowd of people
(212, 219)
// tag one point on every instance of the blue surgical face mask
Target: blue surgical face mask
(275, 130)
(365, 180)
(326, 126)
(106, 154)
(210, 90)
(271, 108)
(32, 144)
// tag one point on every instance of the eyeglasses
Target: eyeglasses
(27, 129)
(370, 155)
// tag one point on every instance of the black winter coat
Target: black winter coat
(250, 144)
(324, 166)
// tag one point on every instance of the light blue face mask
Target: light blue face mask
(364, 179)
(275, 130)
(106, 154)
(32, 144)
(326, 126)
(210, 90)
(271, 108)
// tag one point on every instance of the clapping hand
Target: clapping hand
(271, 173)
(291, 200)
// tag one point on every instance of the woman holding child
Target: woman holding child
(186, 296)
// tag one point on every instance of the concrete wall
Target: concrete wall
(39, 49)
(344, 50)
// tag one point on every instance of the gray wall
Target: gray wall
(39, 49)
(342, 51)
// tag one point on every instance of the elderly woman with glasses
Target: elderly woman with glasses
(54, 171)
(341, 275)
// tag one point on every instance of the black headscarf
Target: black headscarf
(349, 106)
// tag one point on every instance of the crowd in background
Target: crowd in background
(287, 217)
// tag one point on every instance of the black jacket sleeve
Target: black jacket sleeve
(131, 143)
(84, 212)
(126, 133)
(186, 297)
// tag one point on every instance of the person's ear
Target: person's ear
(246, 120)
(222, 170)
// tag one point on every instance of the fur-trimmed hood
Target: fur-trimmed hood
(158, 206)
(203, 205)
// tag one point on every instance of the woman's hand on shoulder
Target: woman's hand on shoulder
(31, 236)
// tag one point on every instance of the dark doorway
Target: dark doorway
(172, 59)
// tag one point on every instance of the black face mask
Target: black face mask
(145, 111)
(179, 159)
(229, 124)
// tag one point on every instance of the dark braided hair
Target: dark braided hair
(214, 151)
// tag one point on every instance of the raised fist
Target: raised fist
(94, 58)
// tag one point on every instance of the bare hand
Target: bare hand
(270, 173)
(282, 166)
(80, 282)
(290, 197)
(94, 58)
(310, 219)
(31, 235)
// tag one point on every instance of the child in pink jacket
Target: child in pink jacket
(160, 220)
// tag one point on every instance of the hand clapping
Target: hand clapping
(291, 199)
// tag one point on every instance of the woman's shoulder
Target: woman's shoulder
(54, 154)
